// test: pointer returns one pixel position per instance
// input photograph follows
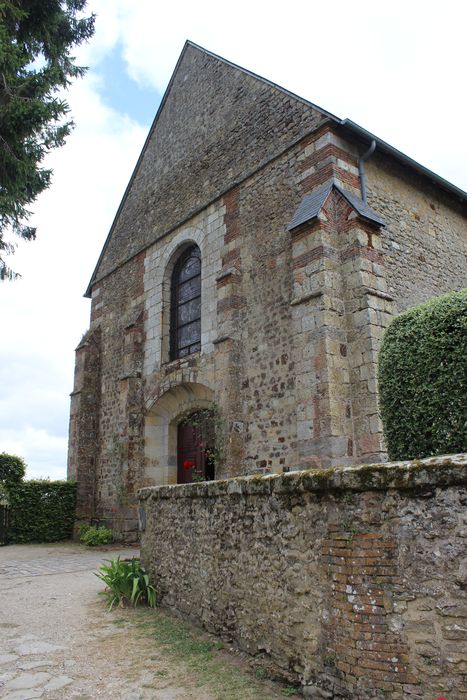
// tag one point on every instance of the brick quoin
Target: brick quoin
(233, 302)
(321, 130)
(306, 229)
(367, 252)
(329, 172)
(320, 251)
(229, 279)
(231, 258)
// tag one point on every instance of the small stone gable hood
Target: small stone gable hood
(311, 205)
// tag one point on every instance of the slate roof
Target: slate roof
(311, 205)
(360, 206)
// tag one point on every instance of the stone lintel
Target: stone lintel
(227, 272)
(130, 375)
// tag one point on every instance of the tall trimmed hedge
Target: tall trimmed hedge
(41, 511)
(422, 379)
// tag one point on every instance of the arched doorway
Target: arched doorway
(195, 448)
(162, 419)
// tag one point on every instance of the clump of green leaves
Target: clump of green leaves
(422, 379)
(92, 536)
(261, 673)
(37, 39)
(126, 582)
(12, 469)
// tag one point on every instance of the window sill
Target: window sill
(181, 362)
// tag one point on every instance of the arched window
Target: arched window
(185, 304)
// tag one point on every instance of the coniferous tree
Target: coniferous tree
(36, 40)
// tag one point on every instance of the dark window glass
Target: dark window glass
(185, 304)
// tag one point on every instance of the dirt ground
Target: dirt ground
(58, 640)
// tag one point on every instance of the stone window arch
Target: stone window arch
(185, 304)
(159, 266)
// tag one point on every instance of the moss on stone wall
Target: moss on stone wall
(442, 471)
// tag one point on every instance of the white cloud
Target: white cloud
(42, 452)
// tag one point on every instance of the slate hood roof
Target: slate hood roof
(311, 205)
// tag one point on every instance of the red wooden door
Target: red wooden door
(191, 457)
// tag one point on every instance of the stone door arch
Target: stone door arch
(161, 429)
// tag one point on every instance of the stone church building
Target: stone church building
(261, 248)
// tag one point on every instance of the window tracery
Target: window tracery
(185, 304)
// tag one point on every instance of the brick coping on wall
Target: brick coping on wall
(445, 470)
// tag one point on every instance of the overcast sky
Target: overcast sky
(396, 68)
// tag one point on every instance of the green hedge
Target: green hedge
(41, 511)
(422, 379)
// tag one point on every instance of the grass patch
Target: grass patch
(208, 667)
(261, 674)
(120, 622)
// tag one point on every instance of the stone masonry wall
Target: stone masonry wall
(217, 124)
(84, 424)
(117, 448)
(425, 236)
(349, 580)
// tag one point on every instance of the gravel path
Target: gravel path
(58, 641)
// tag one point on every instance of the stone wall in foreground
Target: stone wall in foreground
(348, 580)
